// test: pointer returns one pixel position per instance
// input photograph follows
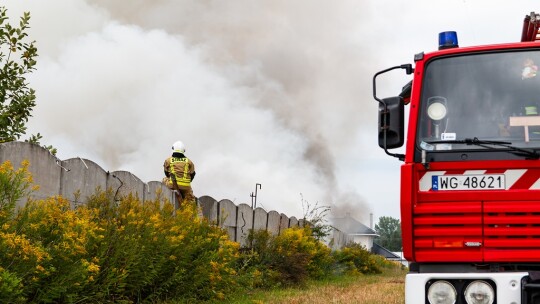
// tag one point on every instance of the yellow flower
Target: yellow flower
(93, 268)
(220, 295)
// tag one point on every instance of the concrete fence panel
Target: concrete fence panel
(155, 190)
(45, 168)
(260, 219)
(283, 222)
(209, 208)
(123, 183)
(293, 222)
(83, 179)
(244, 223)
(274, 219)
(227, 217)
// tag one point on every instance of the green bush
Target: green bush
(14, 185)
(109, 251)
(10, 287)
(354, 259)
(61, 266)
(286, 259)
(150, 252)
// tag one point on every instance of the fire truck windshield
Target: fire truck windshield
(484, 96)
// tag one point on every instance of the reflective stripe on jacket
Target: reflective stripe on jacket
(181, 168)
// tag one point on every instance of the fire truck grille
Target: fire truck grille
(476, 231)
(511, 231)
(441, 231)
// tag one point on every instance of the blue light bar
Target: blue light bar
(448, 40)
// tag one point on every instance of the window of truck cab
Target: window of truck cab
(484, 96)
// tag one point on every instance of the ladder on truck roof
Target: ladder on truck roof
(531, 25)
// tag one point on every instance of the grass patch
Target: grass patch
(387, 287)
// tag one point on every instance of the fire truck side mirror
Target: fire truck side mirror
(391, 123)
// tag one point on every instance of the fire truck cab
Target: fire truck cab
(470, 178)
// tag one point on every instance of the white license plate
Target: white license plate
(468, 182)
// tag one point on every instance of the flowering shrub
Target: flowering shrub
(58, 236)
(14, 185)
(286, 259)
(108, 251)
(355, 259)
(149, 251)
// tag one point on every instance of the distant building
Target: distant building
(389, 255)
(347, 229)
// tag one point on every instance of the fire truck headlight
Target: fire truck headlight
(479, 292)
(436, 110)
(441, 292)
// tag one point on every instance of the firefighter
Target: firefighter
(180, 172)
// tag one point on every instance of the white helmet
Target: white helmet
(179, 147)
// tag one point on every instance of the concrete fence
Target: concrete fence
(77, 178)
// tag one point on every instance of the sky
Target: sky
(273, 92)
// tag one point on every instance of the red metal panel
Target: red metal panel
(512, 206)
(447, 208)
(511, 219)
(495, 165)
(423, 243)
(516, 255)
(467, 196)
(449, 231)
(512, 230)
(463, 255)
(442, 229)
(407, 198)
(450, 219)
(512, 243)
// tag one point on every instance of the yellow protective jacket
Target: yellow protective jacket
(182, 168)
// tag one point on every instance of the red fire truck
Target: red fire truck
(470, 178)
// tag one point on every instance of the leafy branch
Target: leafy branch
(315, 217)
(17, 58)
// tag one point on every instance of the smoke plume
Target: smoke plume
(269, 92)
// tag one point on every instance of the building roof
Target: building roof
(378, 249)
(351, 226)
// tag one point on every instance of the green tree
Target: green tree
(17, 59)
(389, 231)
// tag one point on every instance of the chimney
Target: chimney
(371, 220)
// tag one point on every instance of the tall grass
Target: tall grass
(387, 287)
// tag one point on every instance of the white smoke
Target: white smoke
(264, 92)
